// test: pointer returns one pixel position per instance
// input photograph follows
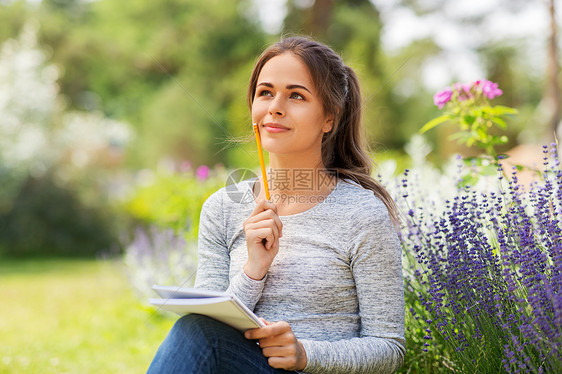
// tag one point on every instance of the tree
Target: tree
(165, 67)
(552, 95)
(505, 59)
(353, 28)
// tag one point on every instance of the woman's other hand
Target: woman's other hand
(263, 229)
(280, 345)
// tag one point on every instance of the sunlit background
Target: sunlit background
(119, 118)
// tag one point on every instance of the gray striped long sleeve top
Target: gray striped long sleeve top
(337, 279)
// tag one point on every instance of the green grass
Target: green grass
(74, 316)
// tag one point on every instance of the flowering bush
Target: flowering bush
(170, 199)
(468, 105)
(483, 275)
(37, 134)
(160, 256)
(54, 194)
(166, 205)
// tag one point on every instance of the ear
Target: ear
(329, 124)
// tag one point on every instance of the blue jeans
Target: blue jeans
(199, 344)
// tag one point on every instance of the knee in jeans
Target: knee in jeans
(190, 321)
(193, 323)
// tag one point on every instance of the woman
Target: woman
(321, 260)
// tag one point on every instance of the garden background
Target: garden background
(118, 119)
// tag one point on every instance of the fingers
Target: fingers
(263, 229)
(284, 362)
(283, 340)
(264, 225)
(266, 211)
(280, 345)
(257, 235)
(271, 330)
(263, 205)
(279, 351)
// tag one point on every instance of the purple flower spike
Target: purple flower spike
(491, 90)
(202, 172)
(443, 97)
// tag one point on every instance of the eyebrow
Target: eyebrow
(289, 87)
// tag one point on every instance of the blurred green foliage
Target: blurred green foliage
(47, 219)
(177, 70)
(166, 67)
(173, 200)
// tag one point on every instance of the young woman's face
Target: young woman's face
(287, 108)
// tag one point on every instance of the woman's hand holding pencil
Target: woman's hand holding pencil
(263, 229)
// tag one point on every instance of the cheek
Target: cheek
(258, 110)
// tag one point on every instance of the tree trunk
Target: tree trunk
(319, 17)
(552, 90)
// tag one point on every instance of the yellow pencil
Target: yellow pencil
(262, 164)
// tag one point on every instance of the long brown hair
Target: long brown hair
(343, 148)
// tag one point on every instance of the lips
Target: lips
(275, 126)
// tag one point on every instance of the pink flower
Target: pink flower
(491, 90)
(466, 88)
(185, 166)
(443, 97)
(202, 172)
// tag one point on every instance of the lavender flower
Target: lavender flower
(483, 269)
(159, 256)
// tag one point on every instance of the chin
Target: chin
(278, 151)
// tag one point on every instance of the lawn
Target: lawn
(74, 316)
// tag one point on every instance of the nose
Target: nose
(276, 107)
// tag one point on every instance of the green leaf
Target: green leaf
(487, 109)
(500, 122)
(489, 170)
(501, 110)
(434, 122)
(472, 161)
(482, 133)
(461, 136)
(469, 119)
(468, 180)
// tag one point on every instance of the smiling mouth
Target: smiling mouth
(275, 129)
(276, 126)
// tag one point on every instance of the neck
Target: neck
(297, 174)
(294, 161)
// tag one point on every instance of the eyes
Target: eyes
(292, 95)
(296, 95)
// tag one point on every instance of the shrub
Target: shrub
(160, 256)
(483, 276)
(173, 199)
(166, 206)
(47, 219)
